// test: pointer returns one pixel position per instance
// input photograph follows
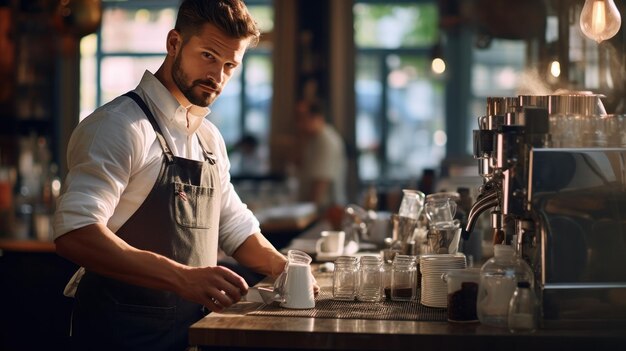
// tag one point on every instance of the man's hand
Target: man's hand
(216, 288)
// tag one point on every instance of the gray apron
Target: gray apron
(179, 219)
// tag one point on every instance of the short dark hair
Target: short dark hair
(316, 107)
(231, 16)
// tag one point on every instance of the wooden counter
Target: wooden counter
(30, 245)
(234, 329)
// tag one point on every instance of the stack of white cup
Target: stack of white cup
(434, 291)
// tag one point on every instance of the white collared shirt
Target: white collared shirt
(114, 159)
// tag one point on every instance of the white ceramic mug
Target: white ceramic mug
(298, 289)
(331, 242)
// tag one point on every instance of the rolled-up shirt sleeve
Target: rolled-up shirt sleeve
(100, 161)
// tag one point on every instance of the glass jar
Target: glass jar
(404, 278)
(498, 279)
(462, 293)
(345, 278)
(370, 279)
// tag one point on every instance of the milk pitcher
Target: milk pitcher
(294, 288)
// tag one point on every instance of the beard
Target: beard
(198, 97)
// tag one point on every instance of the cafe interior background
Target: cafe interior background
(404, 82)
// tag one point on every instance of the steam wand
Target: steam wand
(489, 198)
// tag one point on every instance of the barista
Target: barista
(148, 201)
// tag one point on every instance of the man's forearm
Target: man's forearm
(99, 250)
(260, 255)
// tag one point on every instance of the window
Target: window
(400, 127)
(497, 70)
(132, 39)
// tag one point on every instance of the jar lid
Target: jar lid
(405, 258)
(346, 260)
(371, 259)
(443, 196)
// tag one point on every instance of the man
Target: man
(148, 199)
(324, 161)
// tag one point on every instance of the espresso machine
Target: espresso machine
(554, 182)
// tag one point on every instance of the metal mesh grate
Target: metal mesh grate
(326, 307)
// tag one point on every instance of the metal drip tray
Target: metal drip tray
(326, 307)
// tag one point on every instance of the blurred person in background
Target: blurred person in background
(323, 162)
(247, 158)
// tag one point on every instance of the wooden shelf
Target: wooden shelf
(31, 106)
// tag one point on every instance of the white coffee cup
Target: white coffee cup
(331, 242)
(298, 289)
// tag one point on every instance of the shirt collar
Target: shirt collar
(169, 108)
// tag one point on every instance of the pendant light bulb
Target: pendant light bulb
(600, 20)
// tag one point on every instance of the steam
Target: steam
(610, 82)
(530, 83)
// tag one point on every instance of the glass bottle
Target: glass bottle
(370, 279)
(403, 278)
(498, 279)
(345, 278)
(523, 309)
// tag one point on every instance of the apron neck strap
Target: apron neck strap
(168, 152)
(205, 147)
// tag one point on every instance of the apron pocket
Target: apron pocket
(192, 205)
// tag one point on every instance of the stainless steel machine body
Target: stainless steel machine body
(564, 208)
(577, 202)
